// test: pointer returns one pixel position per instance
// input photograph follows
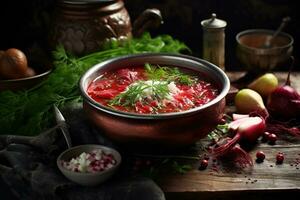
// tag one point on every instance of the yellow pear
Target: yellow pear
(264, 84)
(248, 100)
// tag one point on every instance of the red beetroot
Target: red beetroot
(284, 101)
(233, 126)
(248, 129)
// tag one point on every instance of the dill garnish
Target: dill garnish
(169, 74)
(142, 91)
(156, 88)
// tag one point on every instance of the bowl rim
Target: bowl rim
(269, 31)
(48, 71)
(116, 154)
(131, 115)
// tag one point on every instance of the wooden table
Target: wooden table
(266, 180)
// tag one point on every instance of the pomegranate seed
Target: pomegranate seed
(279, 158)
(260, 156)
(203, 164)
(272, 138)
(265, 136)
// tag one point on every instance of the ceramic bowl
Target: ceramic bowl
(253, 54)
(88, 178)
(166, 129)
(25, 83)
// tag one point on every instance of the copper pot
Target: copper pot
(83, 26)
(168, 129)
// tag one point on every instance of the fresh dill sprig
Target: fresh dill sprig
(169, 74)
(141, 90)
(176, 75)
(30, 112)
(155, 72)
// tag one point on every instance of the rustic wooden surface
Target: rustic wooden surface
(267, 180)
(295, 77)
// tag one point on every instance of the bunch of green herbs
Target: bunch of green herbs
(29, 112)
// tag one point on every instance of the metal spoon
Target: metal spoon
(60, 120)
(268, 42)
(44, 140)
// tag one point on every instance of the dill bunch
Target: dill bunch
(29, 112)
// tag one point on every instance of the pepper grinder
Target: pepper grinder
(214, 40)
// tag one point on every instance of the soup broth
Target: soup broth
(151, 89)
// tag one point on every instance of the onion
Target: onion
(284, 101)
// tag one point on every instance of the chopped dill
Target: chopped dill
(169, 74)
(141, 90)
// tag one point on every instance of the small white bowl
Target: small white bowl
(83, 178)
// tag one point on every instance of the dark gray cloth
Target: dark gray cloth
(28, 166)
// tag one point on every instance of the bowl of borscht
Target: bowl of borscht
(155, 98)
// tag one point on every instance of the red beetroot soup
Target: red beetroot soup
(151, 89)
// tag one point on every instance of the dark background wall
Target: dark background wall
(182, 20)
(25, 23)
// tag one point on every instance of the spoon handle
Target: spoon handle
(282, 25)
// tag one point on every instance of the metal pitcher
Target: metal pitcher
(83, 26)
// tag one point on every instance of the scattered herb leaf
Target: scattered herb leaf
(182, 169)
(219, 132)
